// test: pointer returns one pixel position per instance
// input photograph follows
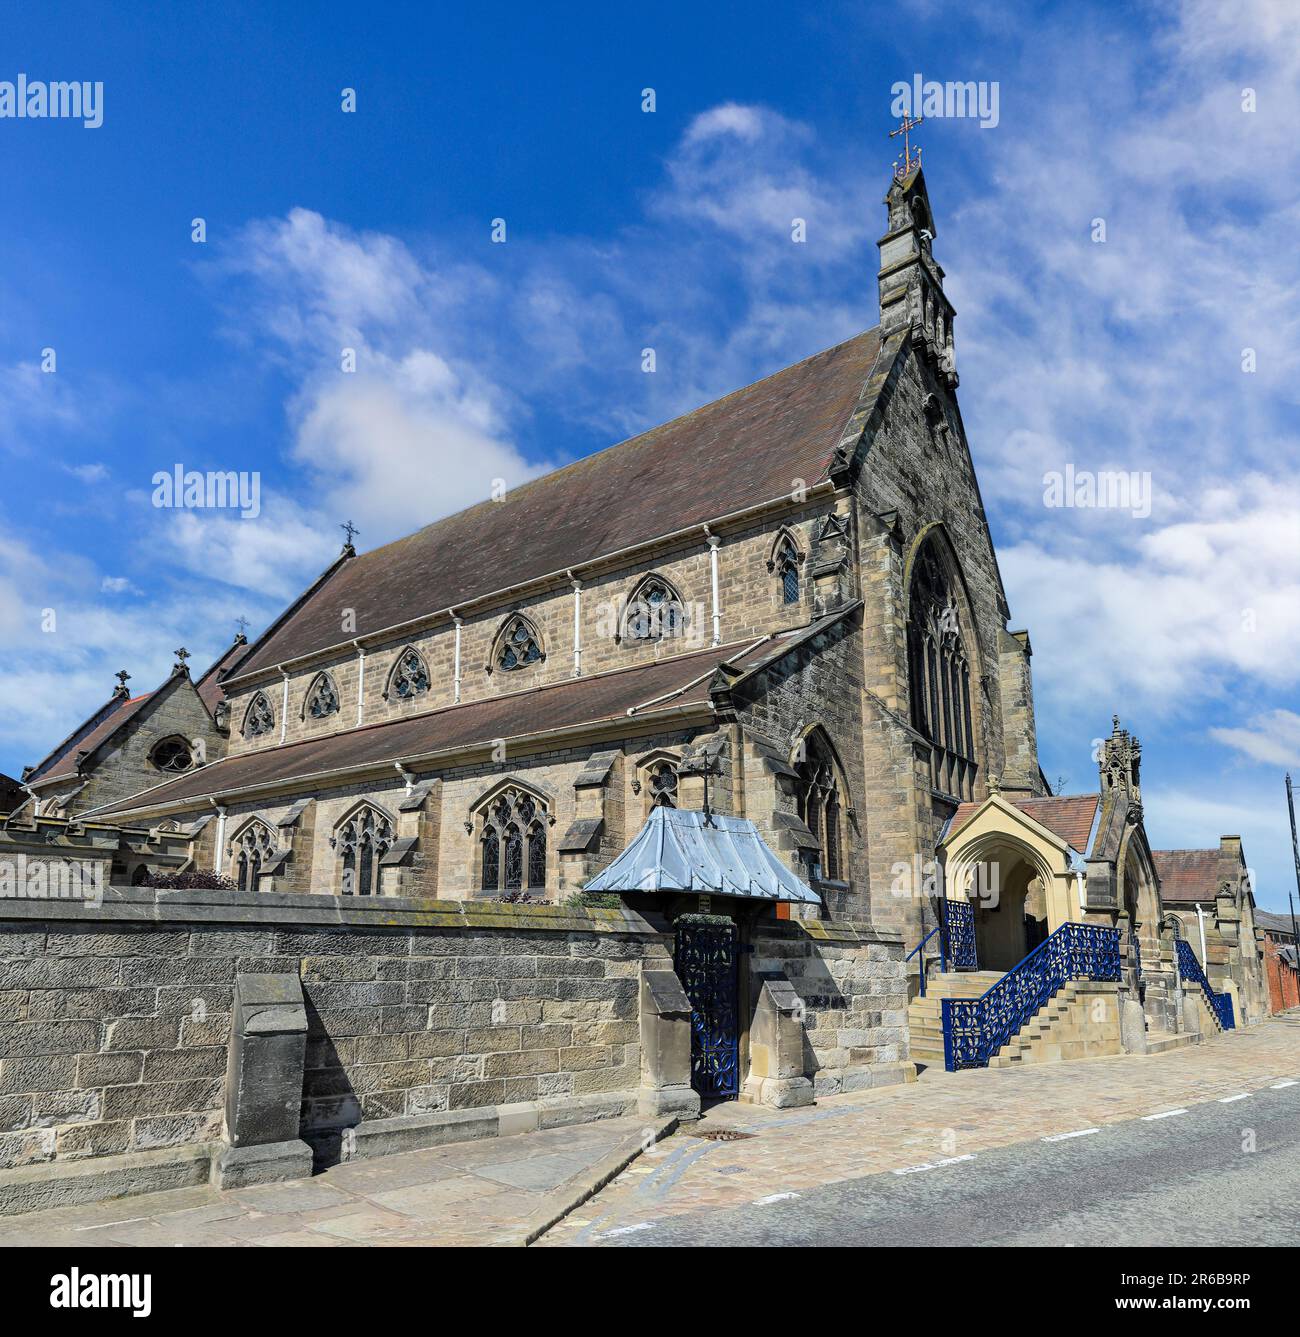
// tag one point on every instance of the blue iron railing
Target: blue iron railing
(920, 965)
(1220, 1003)
(975, 1029)
(960, 916)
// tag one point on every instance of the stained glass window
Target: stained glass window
(251, 850)
(655, 612)
(820, 804)
(410, 675)
(323, 697)
(939, 675)
(172, 754)
(514, 843)
(362, 841)
(260, 719)
(518, 646)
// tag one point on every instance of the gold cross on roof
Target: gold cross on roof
(906, 165)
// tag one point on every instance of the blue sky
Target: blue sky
(670, 230)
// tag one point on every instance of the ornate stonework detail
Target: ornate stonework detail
(1121, 761)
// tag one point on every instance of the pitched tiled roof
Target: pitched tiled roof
(209, 685)
(737, 452)
(61, 764)
(1187, 875)
(668, 683)
(1069, 816)
(1279, 925)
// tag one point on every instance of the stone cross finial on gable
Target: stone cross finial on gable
(123, 677)
(181, 656)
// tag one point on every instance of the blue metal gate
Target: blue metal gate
(706, 961)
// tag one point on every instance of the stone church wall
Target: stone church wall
(919, 474)
(750, 605)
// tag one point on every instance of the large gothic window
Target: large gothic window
(517, 646)
(410, 676)
(513, 842)
(654, 612)
(821, 804)
(249, 851)
(361, 842)
(939, 672)
(322, 698)
(259, 720)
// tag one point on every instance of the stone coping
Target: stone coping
(155, 905)
(152, 905)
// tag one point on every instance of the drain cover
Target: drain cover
(723, 1135)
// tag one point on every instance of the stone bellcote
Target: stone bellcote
(911, 280)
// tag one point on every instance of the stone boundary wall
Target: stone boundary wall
(114, 1021)
(852, 983)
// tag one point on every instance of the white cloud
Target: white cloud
(1272, 738)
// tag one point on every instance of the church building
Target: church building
(727, 727)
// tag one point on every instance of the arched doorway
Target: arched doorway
(1007, 891)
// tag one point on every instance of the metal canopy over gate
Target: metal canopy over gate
(706, 958)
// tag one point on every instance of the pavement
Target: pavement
(1130, 1149)
(1201, 1142)
(491, 1192)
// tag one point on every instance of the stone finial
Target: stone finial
(181, 656)
(1121, 763)
(123, 677)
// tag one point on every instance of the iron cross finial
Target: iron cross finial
(351, 531)
(123, 677)
(906, 165)
(242, 623)
(181, 656)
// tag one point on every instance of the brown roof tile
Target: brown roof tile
(609, 696)
(1187, 875)
(1069, 816)
(737, 452)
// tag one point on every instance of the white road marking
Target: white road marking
(1078, 1132)
(1277, 1086)
(625, 1230)
(1164, 1114)
(108, 1225)
(933, 1165)
(1227, 1100)
(774, 1197)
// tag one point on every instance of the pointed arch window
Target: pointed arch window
(322, 698)
(655, 612)
(513, 842)
(249, 851)
(518, 645)
(821, 804)
(662, 784)
(361, 843)
(787, 569)
(410, 675)
(259, 719)
(939, 673)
